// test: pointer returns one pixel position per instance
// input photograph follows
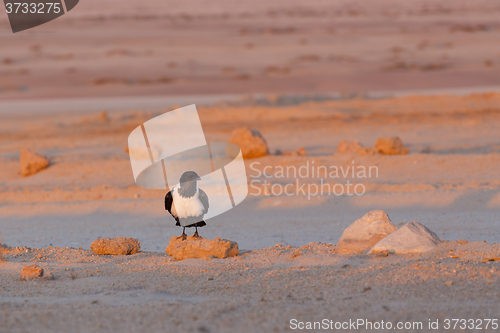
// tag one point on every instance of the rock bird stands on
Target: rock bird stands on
(187, 203)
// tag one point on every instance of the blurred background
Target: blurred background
(198, 47)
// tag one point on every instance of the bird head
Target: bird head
(189, 176)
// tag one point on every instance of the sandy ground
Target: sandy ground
(259, 291)
(448, 182)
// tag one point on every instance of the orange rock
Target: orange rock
(31, 163)
(201, 248)
(250, 141)
(365, 232)
(299, 152)
(413, 237)
(491, 259)
(31, 272)
(116, 246)
(390, 146)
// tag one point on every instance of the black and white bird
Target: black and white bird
(187, 203)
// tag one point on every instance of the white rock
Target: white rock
(366, 232)
(413, 237)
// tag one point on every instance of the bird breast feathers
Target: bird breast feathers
(187, 207)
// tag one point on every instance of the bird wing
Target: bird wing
(169, 200)
(204, 200)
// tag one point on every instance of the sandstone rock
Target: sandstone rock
(366, 232)
(301, 151)
(413, 237)
(390, 146)
(367, 151)
(31, 163)
(349, 147)
(201, 248)
(31, 272)
(250, 141)
(116, 246)
(298, 152)
(101, 117)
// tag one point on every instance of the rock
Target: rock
(250, 141)
(101, 117)
(367, 151)
(31, 163)
(345, 147)
(390, 146)
(366, 232)
(31, 272)
(301, 151)
(116, 246)
(413, 237)
(201, 248)
(298, 152)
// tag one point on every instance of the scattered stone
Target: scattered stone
(116, 246)
(250, 141)
(390, 146)
(31, 163)
(366, 232)
(345, 147)
(449, 283)
(413, 237)
(2, 249)
(201, 248)
(485, 260)
(384, 253)
(367, 151)
(299, 152)
(101, 117)
(31, 272)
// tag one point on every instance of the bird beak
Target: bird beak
(198, 178)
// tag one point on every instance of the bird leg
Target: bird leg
(195, 235)
(183, 236)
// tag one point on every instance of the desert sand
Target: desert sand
(305, 76)
(448, 182)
